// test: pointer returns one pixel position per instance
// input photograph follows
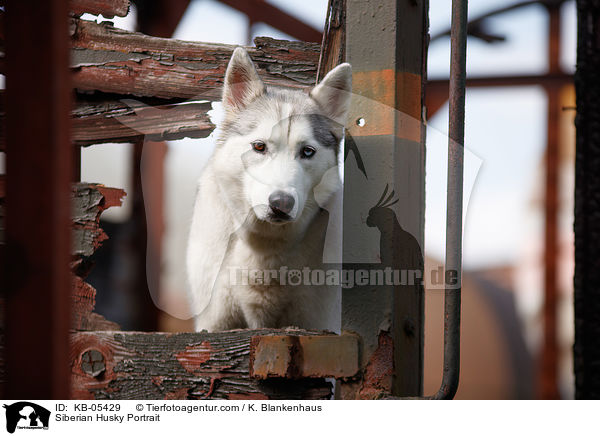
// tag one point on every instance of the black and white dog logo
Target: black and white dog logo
(26, 415)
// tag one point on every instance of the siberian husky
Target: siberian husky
(257, 224)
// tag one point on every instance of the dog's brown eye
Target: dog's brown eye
(307, 152)
(259, 146)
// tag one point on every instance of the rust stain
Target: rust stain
(377, 379)
(194, 356)
(271, 356)
(390, 102)
(294, 357)
(378, 85)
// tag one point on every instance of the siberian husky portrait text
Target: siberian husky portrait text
(259, 202)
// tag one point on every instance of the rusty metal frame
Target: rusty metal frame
(456, 136)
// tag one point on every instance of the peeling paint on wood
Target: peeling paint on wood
(108, 8)
(113, 60)
(128, 120)
(181, 366)
(88, 202)
(83, 302)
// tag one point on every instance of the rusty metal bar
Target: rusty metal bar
(293, 356)
(38, 192)
(549, 359)
(452, 295)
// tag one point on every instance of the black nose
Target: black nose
(280, 202)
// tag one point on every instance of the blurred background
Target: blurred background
(514, 108)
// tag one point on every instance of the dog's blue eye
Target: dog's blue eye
(307, 152)
(259, 146)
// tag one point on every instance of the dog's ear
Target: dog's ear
(242, 83)
(334, 92)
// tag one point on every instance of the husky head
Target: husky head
(277, 155)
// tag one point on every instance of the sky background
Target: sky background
(504, 128)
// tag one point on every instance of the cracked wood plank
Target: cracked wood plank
(128, 120)
(83, 302)
(108, 8)
(98, 120)
(112, 60)
(88, 202)
(181, 366)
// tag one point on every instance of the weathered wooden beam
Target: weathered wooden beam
(296, 357)
(113, 60)
(108, 8)
(83, 302)
(333, 47)
(129, 120)
(132, 365)
(88, 203)
(98, 121)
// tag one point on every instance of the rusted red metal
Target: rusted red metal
(304, 356)
(549, 355)
(39, 173)
(437, 90)
(378, 375)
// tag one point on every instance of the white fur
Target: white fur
(231, 226)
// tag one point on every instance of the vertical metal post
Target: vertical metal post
(386, 44)
(586, 352)
(456, 133)
(39, 171)
(549, 357)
